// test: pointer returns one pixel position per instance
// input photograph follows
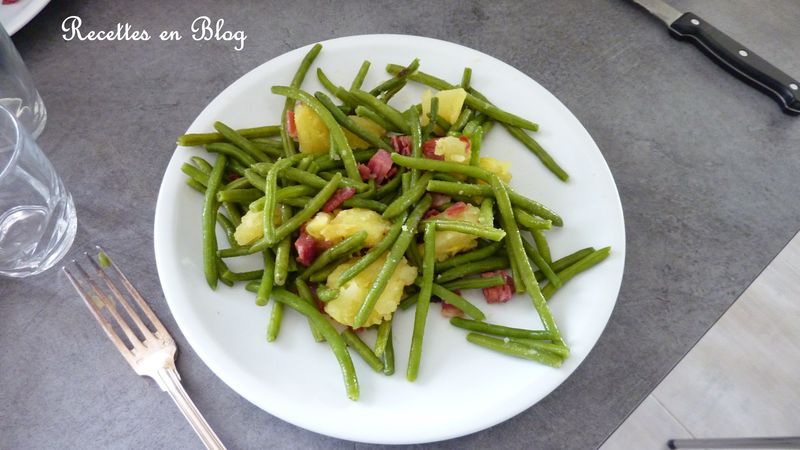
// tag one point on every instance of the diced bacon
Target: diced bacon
(306, 247)
(231, 176)
(432, 212)
(455, 209)
(401, 144)
(501, 293)
(338, 198)
(291, 126)
(449, 310)
(364, 171)
(392, 172)
(439, 199)
(379, 165)
(9, 2)
(429, 150)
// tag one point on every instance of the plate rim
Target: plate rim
(25, 15)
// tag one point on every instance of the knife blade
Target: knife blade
(729, 54)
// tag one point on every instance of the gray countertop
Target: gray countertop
(707, 169)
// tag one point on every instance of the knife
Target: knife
(731, 55)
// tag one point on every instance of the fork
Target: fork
(153, 354)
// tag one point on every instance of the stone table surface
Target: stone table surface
(707, 169)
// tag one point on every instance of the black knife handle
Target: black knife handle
(739, 60)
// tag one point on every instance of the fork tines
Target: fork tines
(100, 291)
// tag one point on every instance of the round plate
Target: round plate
(17, 15)
(298, 380)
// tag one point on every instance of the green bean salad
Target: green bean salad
(361, 210)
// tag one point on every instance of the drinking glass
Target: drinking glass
(18, 94)
(37, 216)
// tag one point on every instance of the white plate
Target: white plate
(461, 388)
(15, 16)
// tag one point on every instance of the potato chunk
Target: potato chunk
(500, 168)
(343, 308)
(453, 149)
(347, 222)
(312, 134)
(251, 228)
(448, 243)
(451, 102)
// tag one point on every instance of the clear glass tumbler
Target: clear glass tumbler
(18, 94)
(37, 216)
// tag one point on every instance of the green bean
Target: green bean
(233, 213)
(440, 121)
(567, 274)
(499, 330)
(408, 230)
(267, 279)
(275, 319)
(399, 78)
(344, 248)
(388, 356)
(240, 195)
(370, 192)
(374, 205)
(304, 292)
(256, 179)
(475, 255)
(516, 275)
(530, 221)
(326, 294)
(240, 141)
(434, 112)
(196, 139)
(330, 334)
(475, 148)
(202, 165)
(271, 186)
(283, 251)
(462, 120)
(373, 254)
(483, 265)
(540, 262)
(531, 144)
(282, 194)
(363, 111)
(236, 167)
(441, 166)
(210, 207)
(243, 276)
(303, 177)
(487, 212)
(306, 213)
(475, 190)
(392, 115)
(458, 301)
(472, 100)
(386, 96)
(413, 256)
(546, 347)
(270, 147)
(352, 125)
(195, 174)
(475, 283)
(423, 302)
(322, 275)
(409, 301)
(462, 226)
(465, 78)
(403, 202)
(566, 261)
(228, 227)
(340, 93)
(471, 127)
(514, 349)
(541, 245)
(297, 202)
(241, 250)
(239, 183)
(194, 184)
(405, 183)
(355, 342)
(336, 133)
(416, 141)
(359, 79)
(231, 151)
(383, 337)
(324, 162)
(288, 143)
(518, 251)
(389, 188)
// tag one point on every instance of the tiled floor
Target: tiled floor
(741, 380)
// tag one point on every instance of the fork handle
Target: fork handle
(171, 383)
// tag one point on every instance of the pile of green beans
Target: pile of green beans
(261, 173)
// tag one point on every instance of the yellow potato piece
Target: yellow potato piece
(500, 168)
(452, 148)
(347, 222)
(251, 228)
(448, 243)
(343, 308)
(356, 143)
(451, 102)
(312, 134)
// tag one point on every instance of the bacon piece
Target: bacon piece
(306, 247)
(455, 209)
(432, 212)
(501, 293)
(338, 198)
(364, 171)
(439, 199)
(401, 144)
(379, 165)
(429, 150)
(449, 310)
(467, 143)
(291, 126)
